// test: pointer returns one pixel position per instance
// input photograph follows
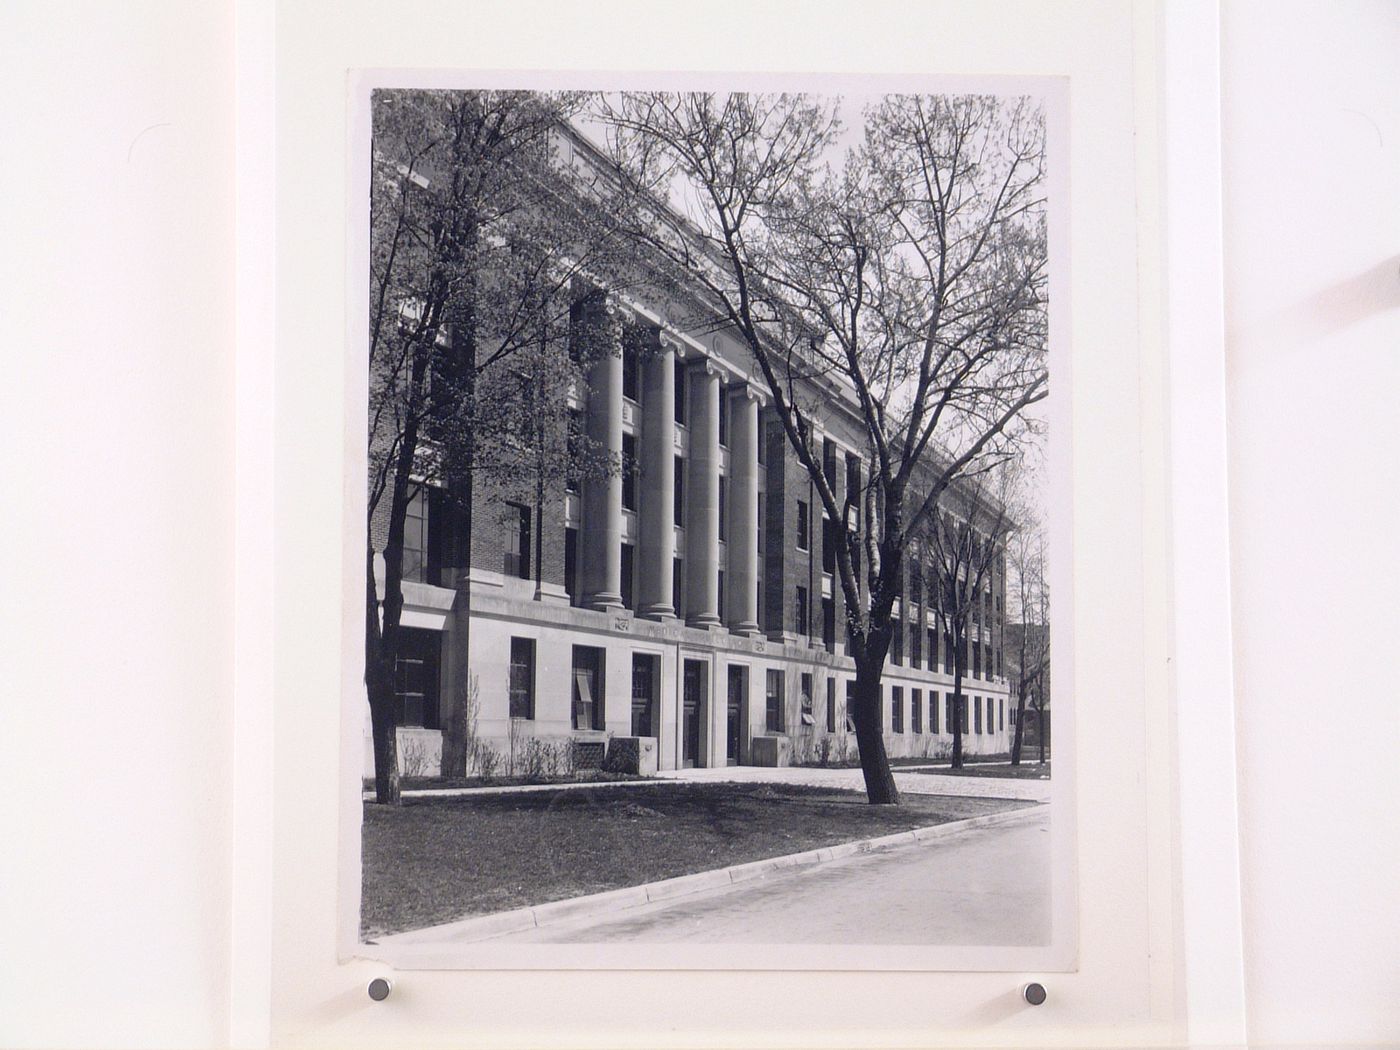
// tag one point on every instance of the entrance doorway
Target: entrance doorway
(644, 677)
(693, 688)
(737, 710)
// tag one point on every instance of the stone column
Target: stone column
(702, 499)
(742, 588)
(601, 547)
(657, 546)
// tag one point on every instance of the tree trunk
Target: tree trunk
(959, 700)
(379, 682)
(1020, 724)
(1040, 724)
(870, 739)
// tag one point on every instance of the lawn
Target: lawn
(1027, 770)
(433, 860)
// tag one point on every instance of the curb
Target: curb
(485, 927)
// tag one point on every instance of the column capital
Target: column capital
(750, 391)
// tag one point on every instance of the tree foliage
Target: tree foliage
(482, 242)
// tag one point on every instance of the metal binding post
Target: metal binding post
(1033, 993)
(379, 989)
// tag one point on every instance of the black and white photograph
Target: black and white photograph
(707, 578)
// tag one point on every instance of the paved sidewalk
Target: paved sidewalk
(987, 885)
(853, 780)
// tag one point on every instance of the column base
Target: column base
(604, 602)
(658, 612)
(747, 628)
(704, 622)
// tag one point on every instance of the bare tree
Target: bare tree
(908, 284)
(967, 538)
(480, 244)
(1030, 604)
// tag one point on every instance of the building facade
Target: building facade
(690, 601)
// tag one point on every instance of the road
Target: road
(985, 886)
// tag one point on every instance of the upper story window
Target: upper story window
(575, 444)
(828, 546)
(804, 526)
(629, 472)
(680, 394)
(723, 417)
(516, 561)
(678, 493)
(631, 373)
(829, 463)
(415, 536)
(723, 508)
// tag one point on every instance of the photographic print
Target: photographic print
(710, 519)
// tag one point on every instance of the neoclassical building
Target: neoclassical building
(691, 601)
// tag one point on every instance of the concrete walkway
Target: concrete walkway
(986, 886)
(853, 780)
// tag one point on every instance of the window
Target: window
(897, 708)
(416, 677)
(723, 417)
(976, 659)
(962, 709)
(916, 711)
(571, 566)
(628, 561)
(1001, 713)
(719, 595)
(680, 394)
(629, 472)
(631, 372)
(932, 649)
(850, 705)
(897, 643)
(522, 678)
(916, 646)
(828, 546)
(723, 503)
(678, 495)
(806, 682)
(517, 541)
(977, 713)
(802, 626)
(853, 480)
(774, 700)
(804, 526)
(575, 438)
(1001, 673)
(588, 687)
(762, 508)
(831, 705)
(829, 624)
(932, 711)
(677, 582)
(829, 463)
(949, 715)
(762, 443)
(415, 537)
